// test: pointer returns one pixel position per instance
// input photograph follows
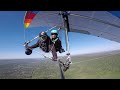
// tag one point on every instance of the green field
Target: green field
(90, 66)
(95, 67)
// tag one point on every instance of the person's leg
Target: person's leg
(54, 53)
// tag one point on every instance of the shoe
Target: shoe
(68, 54)
(61, 50)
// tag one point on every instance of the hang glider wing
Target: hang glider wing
(29, 16)
(42, 18)
(104, 24)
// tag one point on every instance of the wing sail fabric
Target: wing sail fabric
(46, 19)
(104, 24)
(29, 17)
(109, 28)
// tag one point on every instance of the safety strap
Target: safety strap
(55, 40)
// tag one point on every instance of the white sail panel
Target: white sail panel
(98, 23)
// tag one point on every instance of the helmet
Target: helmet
(42, 34)
(54, 32)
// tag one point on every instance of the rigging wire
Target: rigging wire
(60, 65)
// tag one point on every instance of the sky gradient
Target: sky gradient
(12, 38)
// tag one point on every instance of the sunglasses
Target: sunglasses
(43, 37)
(54, 34)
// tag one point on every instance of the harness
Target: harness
(54, 40)
(43, 45)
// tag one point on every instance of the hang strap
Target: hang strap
(54, 40)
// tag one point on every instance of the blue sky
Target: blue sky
(12, 38)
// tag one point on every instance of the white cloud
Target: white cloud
(98, 48)
(80, 50)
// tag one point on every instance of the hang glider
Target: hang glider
(105, 24)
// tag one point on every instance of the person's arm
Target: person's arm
(34, 46)
(59, 43)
